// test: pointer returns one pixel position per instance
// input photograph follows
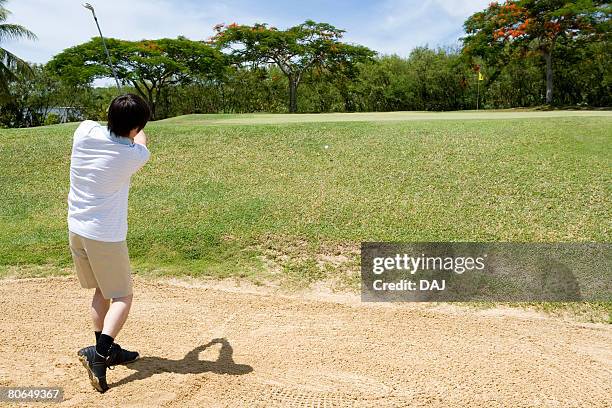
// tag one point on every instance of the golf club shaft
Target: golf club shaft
(110, 61)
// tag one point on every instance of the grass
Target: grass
(260, 197)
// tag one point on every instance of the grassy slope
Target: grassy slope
(214, 198)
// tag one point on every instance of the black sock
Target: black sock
(104, 344)
(97, 333)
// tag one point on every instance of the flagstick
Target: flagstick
(478, 86)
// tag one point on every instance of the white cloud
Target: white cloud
(402, 25)
(395, 26)
(461, 9)
(65, 23)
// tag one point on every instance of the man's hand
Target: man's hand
(141, 138)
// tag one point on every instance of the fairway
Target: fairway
(271, 203)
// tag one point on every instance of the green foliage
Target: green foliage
(295, 51)
(505, 32)
(583, 72)
(263, 65)
(52, 119)
(10, 64)
(242, 90)
(30, 97)
(150, 66)
(534, 24)
(36, 95)
(426, 80)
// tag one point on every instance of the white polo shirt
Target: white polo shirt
(101, 167)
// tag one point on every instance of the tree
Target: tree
(10, 64)
(150, 66)
(534, 26)
(295, 51)
(32, 97)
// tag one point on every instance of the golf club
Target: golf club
(110, 61)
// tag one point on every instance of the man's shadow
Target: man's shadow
(190, 364)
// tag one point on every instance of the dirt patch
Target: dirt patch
(293, 263)
(216, 347)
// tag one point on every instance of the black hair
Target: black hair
(127, 112)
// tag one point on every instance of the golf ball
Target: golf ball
(326, 146)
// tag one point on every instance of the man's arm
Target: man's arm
(140, 153)
(141, 138)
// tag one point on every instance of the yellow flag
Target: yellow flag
(480, 77)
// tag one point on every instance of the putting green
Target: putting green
(266, 118)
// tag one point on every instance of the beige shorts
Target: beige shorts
(104, 265)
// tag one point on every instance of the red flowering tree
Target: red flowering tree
(296, 51)
(536, 26)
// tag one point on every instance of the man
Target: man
(102, 163)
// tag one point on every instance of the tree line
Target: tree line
(519, 53)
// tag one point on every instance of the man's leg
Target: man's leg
(108, 319)
(99, 308)
(117, 315)
(110, 264)
(113, 322)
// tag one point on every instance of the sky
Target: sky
(387, 26)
